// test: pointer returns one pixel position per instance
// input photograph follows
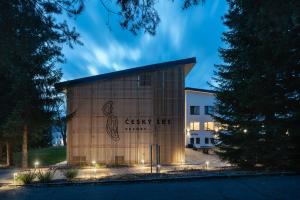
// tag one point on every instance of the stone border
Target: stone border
(160, 179)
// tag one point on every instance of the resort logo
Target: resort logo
(142, 124)
(111, 121)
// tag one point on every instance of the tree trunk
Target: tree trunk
(1, 152)
(8, 154)
(64, 139)
(25, 147)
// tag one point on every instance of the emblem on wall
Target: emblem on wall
(111, 121)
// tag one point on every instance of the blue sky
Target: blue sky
(180, 34)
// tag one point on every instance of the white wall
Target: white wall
(197, 98)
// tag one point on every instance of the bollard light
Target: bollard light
(36, 164)
(94, 169)
(206, 164)
(158, 168)
(15, 177)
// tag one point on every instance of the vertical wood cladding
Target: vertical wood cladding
(130, 108)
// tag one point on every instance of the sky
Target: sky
(195, 32)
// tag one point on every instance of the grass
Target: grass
(45, 156)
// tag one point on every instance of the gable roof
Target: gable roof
(153, 67)
(200, 90)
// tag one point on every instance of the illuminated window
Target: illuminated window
(195, 110)
(195, 126)
(209, 126)
(220, 127)
(209, 110)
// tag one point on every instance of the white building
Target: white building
(199, 125)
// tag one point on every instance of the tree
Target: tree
(31, 42)
(258, 86)
(137, 15)
(61, 118)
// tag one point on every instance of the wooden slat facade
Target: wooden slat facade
(117, 119)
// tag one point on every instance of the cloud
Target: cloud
(181, 33)
(92, 70)
(111, 55)
(173, 22)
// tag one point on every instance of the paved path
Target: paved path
(194, 160)
(266, 187)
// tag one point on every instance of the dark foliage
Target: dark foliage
(137, 15)
(259, 84)
(31, 42)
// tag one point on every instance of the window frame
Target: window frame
(206, 140)
(192, 126)
(193, 110)
(206, 126)
(209, 110)
(192, 139)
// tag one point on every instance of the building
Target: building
(118, 116)
(200, 126)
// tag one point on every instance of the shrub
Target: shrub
(46, 176)
(26, 177)
(70, 173)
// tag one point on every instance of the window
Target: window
(144, 80)
(209, 110)
(192, 140)
(212, 140)
(209, 126)
(197, 140)
(195, 126)
(195, 110)
(206, 140)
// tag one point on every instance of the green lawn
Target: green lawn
(45, 156)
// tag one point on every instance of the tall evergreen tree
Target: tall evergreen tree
(258, 92)
(30, 45)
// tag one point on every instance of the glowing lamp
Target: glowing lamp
(36, 163)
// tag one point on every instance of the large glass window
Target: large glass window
(195, 110)
(209, 126)
(197, 140)
(209, 110)
(195, 126)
